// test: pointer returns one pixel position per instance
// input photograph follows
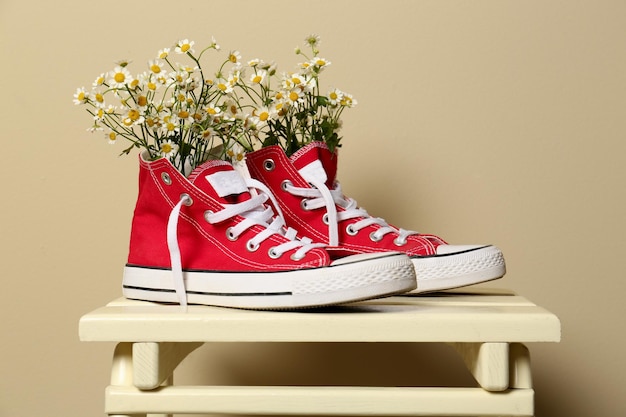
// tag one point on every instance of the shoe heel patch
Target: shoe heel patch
(227, 183)
(314, 171)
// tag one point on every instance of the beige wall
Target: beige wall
(489, 121)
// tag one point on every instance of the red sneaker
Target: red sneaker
(208, 239)
(312, 202)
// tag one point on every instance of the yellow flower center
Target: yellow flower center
(119, 77)
(293, 96)
(257, 79)
(183, 114)
(264, 116)
(233, 109)
(99, 98)
(133, 115)
(155, 68)
(185, 47)
(166, 148)
(81, 96)
(134, 84)
(142, 101)
(170, 127)
(222, 86)
(211, 110)
(333, 96)
(232, 58)
(112, 136)
(152, 86)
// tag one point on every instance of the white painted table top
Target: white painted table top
(472, 315)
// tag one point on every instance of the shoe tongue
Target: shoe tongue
(221, 181)
(316, 162)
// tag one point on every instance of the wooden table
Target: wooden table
(488, 328)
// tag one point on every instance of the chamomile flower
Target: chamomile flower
(265, 113)
(178, 77)
(214, 44)
(169, 126)
(223, 86)
(279, 108)
(312, 40)
(98, 114)
(253, 63)
(199, 116)
(258, 77)
(208, 133)
(305, 66)
(111, 137)
(142, 102)
(290, 81)
(163, 53)
(81, 96)
(335, 96)
(213, 110)
(184, 46)
(234, 76)
(99, 80)
(95, 128)
(295, 97)
(185, 116)
(168, 148)
(119, 77)
(155, 66)
(348, 101)
(235, 152)
(98, 99)
(232, 111)
(133, 117)
(234, 57)
(319, 64)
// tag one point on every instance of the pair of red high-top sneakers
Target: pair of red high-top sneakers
(282, 235)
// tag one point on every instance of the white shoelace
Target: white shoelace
(254, 212)
(321, 196)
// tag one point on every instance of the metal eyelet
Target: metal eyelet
(273, 254)
(304, 205)
(285, 184)
(269, 164)
(207, 214)
(251, 246)
(230, 235)
(167, 180)
(187, 199)
(325, 219)
(351, 230)
(375, 238)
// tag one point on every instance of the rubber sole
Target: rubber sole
(349, 279)
(454, 270)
